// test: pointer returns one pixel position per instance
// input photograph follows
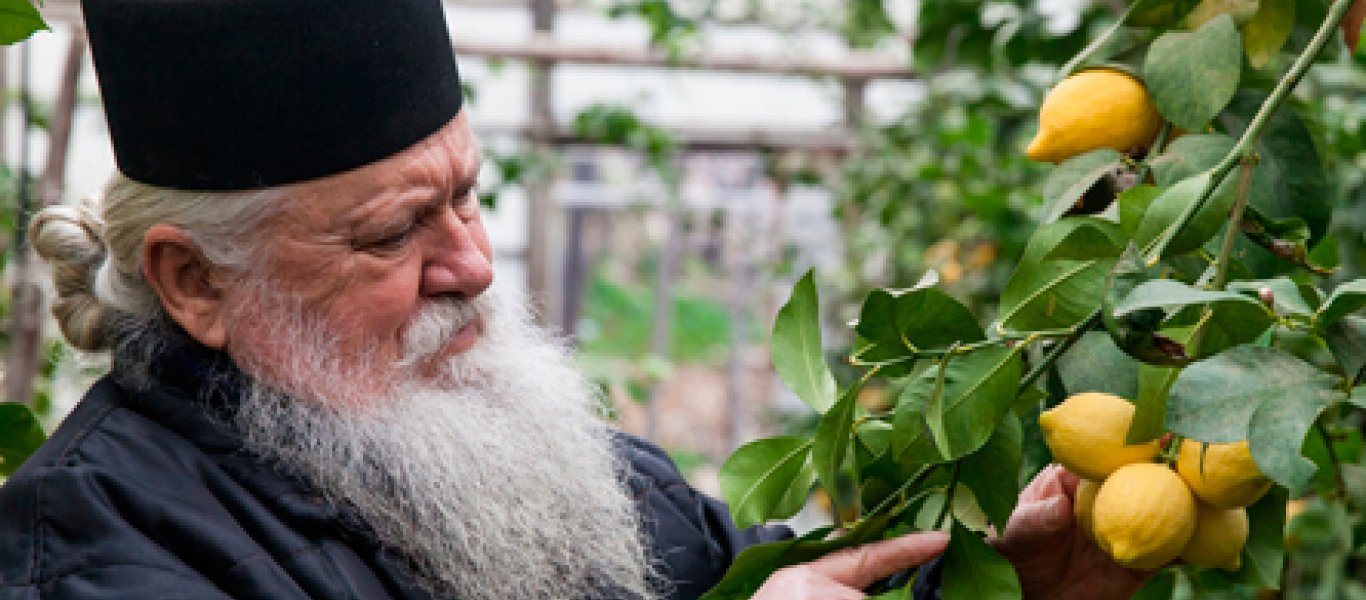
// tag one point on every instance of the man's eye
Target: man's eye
(392, 242)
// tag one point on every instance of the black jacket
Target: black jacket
(142, 496)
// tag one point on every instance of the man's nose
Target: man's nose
(456, 259)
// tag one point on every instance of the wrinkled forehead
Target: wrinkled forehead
(445, 163)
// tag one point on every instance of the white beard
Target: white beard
(495, 480)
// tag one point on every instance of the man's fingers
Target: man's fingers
(860, 566)
(1069, 481)
(1045, 484)
(1036, 522)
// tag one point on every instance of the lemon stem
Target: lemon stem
(1235, 218)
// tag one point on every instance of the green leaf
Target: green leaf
(1167, 293)
(1290, 180)
(20, 435)
(1092, 238)
(833, 432)
(756, 563)
(1346, 299)
(796, 347)
(1065, 184)
(1193, 75)
(1136, 332)
(1190, 155)
(1150, 404)
(1096, 364)
(1358, 396)
(1346, 339)
(1133, 203)
(1055, 293)
(1164, 211)
(19, 20)
(1277, 429)
(1237, 319)
(1214, 400)
(978, 390)
(1160, 587)
(992, 472)
(767, 479)
(1264, 552)
(974, 570)
(1288, 296)
(900, 322)
(1268, 31)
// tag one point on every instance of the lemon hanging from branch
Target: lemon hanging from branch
(1094, 109)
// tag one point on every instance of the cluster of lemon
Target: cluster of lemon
(1143, 513)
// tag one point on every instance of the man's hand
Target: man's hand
(1051, 554)
(842, 575)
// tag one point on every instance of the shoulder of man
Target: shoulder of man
(80, 517)
(116, 505)
(692, 536)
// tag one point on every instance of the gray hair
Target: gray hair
(94, 248)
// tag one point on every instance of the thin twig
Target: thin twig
(948, 498)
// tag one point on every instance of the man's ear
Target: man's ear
(183, 280)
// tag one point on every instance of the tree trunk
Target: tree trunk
(27, 297)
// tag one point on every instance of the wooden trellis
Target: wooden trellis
(547, 227)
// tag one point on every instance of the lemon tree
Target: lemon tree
(1191, 293)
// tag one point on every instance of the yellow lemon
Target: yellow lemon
(1143, 516)
(1086, 434)
(1084, 504)
(1220, 534)
(1230, 479)
(1093, 109)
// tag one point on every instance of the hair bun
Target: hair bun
(69, 239)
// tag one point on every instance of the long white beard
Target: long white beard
(495, 479)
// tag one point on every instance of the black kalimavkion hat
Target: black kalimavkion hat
(243, 94)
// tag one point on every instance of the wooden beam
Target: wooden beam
(543, 48)
(704, 139)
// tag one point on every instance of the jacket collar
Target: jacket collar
(191, 390)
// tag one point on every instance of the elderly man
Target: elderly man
(314, 392)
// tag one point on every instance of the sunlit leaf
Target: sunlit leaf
(796, 347)
(978, 390)
(19, 20)
(1044, 294)
(767, 479)
(833, 433)
(901, 322)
